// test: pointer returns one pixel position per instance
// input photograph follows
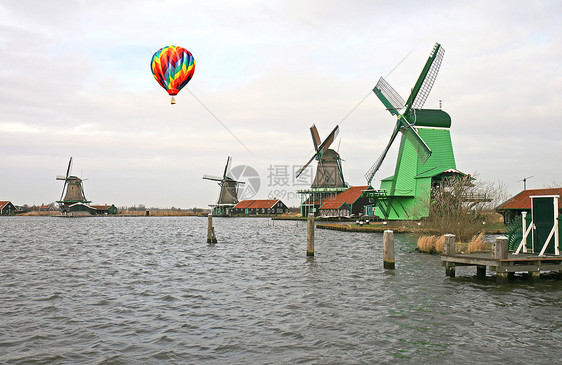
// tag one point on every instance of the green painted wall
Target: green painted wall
(410, 187)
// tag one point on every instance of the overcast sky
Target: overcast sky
(75, 81)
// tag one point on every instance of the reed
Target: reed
(427, 244)
(477, 244)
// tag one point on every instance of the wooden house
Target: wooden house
(348, 203)
(105, 209)
(257, 207)
(7, 208)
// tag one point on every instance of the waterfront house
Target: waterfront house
(345, 204)
(7, 208)
(256, 207)
(105, 209)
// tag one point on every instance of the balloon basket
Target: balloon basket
(173, 101)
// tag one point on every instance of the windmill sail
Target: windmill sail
(389, 97)
(376, 166)
(407, 119)
(424, 84)
(419, 144)
(319, 149)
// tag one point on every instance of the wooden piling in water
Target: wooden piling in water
(499, 252)
(211, 238)
(388, 249)
(310, 235)
(449, 249)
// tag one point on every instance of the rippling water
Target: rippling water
(151, 290)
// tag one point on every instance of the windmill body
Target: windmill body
(425, 156)
(228, 196)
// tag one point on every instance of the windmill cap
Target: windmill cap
(429, 118)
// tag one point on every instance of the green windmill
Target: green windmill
(425, 157)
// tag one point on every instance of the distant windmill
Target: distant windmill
(425, 157)
(228, 196)
(329, 172)
(73, 187)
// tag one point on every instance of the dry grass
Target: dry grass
(428, 244)
(477, 244)
(434, 244)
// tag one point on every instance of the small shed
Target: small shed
(7, 208)
(256, 207)
(513, 207)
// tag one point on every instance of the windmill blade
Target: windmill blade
(329, 140)
(214, 178)
(305, 165)
(227, 166)
(69, 169)
(315, 137)
(63, 188)
(423, 86)
(389, 97)
(415, 139)
(373, 170)
(61, 177)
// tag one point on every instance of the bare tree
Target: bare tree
(461, 205)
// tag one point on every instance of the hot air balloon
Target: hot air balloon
(172, 67)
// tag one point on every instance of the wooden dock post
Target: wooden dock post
(499, 248)
(449, 249)
(388, 249)
(310, 235)
(481, 271)
(211, 238)
(499, 252)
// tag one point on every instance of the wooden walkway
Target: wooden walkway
(499, 260)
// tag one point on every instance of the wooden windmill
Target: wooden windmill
(425, 157)
(228, 196)
(72, 190)
(329, 179)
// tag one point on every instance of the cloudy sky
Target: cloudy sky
(75, 81)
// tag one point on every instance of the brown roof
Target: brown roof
(101, 207)
(3, 204)
(256, 204)
(523, 199)
(346, 197)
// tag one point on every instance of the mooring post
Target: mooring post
(499, 252)
(388, 249)
(310, 235)
(449, 249)
(499, 248)
(211, 238)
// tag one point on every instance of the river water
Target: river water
(150, 290)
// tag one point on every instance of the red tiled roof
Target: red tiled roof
(346, 197)
(3, 204)
(523, 200)
(256, 204)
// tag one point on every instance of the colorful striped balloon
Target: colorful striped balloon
(172, 67)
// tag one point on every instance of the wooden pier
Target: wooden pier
(505, 264)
